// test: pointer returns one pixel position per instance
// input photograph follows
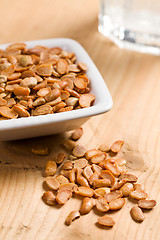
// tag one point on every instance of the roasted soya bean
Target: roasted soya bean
(91, 153)
(84, 191)
(60, 158)
(138, 194)
(51, 168)
(137, 214)
(80, 163)
(52, 183)
(113, 195)
(22, 112)
(94, 177)
(96, 168)
(102, 204)
(62, 180)
(49, 198)
(87, 205)
(86, 100)
(108, 175)
(104, 148)
(118, 185)
(68, 186)
(40, 150)
(126, 189)
(71, 217)
(128, 177)
(65, 173)
(138, 186)
(63, 196)
(72, 175)
(116, 204)
(98, 158)
(87, 172)
(68, 165)
(100, 192)
(146, 204)
(106, 221)
(101, 183)
(116, 146)
(79, 151)
(82, 180)
(77, 133)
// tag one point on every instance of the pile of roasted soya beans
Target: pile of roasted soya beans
(41, 80)
(103, 182)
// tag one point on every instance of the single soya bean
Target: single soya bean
(94, 177)
(29, 73)
(60, 157)
(42, 110)
(40, 150)
(9, 70)
(49, 198)
(118, 185)
(64, 95)
(96, 168)
(18, 90)
(101, 183)
(82, 66)
(138, 186)
(22, 112)
(106, 221)
(28, 82)
(14, 76)
(70, 84)
(104, 148)
(86, 100)
(65, 109)
(73, 92)
(52, 182)
(128, 177)
(138, 194)
(116, 146)
(100, 192)
(43, 92)
(62, 180)
(120, 161)
(84, 191)
(68, 165)
(91, 153)
(7, 112)
(3, 102)
(69, 144)
(121, 169)
(98, 158)
(65, 173)
(25, 60)
(102, 204)
(45, 70)
(80, 83)
(126, 189)
(82, 180)
(10, 102)
(72, 175)
(39, 101)
(68, 186)
(113, 195)
(12, 59)
(79, 151)
(137, 214)
(63, 196)
(62, 66)
(40, 85)
(51, 168)
(87, 205)
(116, 204)
(146, 204)
(77, 133)
(58, 105)
(71, 217)
(73, 68)
(108, 175)
(80, 163)
(87, 172)
(112, 168)
(71, 101)
(52, 95)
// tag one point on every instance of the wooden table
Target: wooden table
(134, 82)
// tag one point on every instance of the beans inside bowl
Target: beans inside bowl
(41, 80)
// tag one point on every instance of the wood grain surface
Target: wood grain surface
(134, 82)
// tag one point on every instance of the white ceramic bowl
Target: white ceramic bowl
(60, 122)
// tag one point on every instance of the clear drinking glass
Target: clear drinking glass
(133, 24)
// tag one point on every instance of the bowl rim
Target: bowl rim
(103, 104)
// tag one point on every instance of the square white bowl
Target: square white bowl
(20, 128)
